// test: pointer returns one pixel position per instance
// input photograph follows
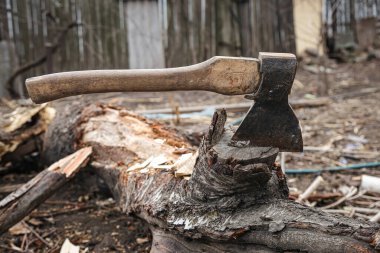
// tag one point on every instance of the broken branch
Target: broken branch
(20, 203)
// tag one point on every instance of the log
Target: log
(20, 203)
(230, 200)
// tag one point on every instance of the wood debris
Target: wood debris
(19, 229)
(185, 164)
(68, 247)
(22, 124)
(20, 203)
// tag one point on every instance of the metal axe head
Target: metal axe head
(271, 121)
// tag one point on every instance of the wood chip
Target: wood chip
(142, 240)
(185, 164)
(313, 186)
(19, 229)
(138, 166)
(68, 247)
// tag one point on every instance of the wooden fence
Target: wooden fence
(351, 22)
(137, 34)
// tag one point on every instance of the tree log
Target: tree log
(230, 200)
(20, 203)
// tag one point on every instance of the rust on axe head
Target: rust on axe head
(271, 121)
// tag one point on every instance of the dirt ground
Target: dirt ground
(344, 131)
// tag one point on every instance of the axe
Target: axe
(270, 122)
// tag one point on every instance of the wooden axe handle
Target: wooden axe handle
(224, 75)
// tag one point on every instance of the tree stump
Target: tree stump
(217, 199)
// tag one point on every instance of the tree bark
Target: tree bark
(231, 200)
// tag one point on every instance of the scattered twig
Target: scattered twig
(351, 193)
(62, 212)
(312, 187)
(34, 232)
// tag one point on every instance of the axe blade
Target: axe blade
(271, 122)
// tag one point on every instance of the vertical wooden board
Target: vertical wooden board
(6, 48)
(40, 49)
(191, 31)
(123, 35)
(106, 32)
(16, 29)
(113, 13)
(185, 34)
(255, 30)
(3, 21)
(80, 34)
(225, 38)
(84, 9)
(213, 40)
(245, 30)
(260, 29)
(271, 12)
(115, 31)
(236, 20)
(19, 51)
(195, 24)
(289, 32)
(175, 50)
(99, 41)
(277, 28)
(30, 18)
(75, 36)
(145, 44)
(94, 40)
(62, 13)
(201, 29)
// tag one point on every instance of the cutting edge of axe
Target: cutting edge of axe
(268, 80)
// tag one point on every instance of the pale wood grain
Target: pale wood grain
(224, 75)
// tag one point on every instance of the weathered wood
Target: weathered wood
(20, 203)
(224, 75)
(236, 199)
(21, 129)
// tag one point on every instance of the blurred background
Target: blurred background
(44, 36)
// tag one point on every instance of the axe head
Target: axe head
(271, 122)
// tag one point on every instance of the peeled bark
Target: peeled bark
(236, 199)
